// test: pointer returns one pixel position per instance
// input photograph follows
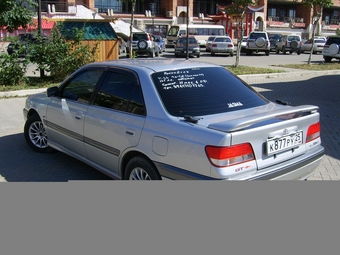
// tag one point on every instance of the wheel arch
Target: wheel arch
(31, 112)
(128, 156)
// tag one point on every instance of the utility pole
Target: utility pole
(40, 32)
(187, 44)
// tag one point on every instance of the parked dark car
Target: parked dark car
(181, 47)
(273, 39)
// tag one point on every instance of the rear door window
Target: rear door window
(204, 91)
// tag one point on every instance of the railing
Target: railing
(285, 19)
(61, 6)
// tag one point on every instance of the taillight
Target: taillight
(300, 43)
(214, 45)
(230, 45)
(313, 132)
(228, 156)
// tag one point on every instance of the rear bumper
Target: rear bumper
(300, 170)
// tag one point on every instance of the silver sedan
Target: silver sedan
(152, 119)
(318, 46)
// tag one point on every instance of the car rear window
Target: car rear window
(257, 35)
(204, 91)
(221, 39)
(137, 37)
(332, 40)
(293, 38)
(184, 40)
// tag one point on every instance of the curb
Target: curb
(306, 73)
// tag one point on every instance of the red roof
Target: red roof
(47, 25)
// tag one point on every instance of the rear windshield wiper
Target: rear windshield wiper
(191, 119)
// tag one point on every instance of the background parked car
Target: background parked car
(161, 43)
(258, 41)
(181, 47)
(289, 43)
(318, 46)
(122, 45)
(244, 44)
(143, 44)
(222, 44)
(208, 43)
(332, 48)
(273, 39)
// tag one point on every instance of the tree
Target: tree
(16, 13)
(239, 7)
(317, 8)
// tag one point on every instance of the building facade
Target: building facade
(279, 16)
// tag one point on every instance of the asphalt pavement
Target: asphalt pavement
(322, 88)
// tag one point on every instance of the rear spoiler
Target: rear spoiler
(244, 122)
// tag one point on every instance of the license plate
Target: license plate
(283, 143)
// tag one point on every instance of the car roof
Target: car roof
(152, 65)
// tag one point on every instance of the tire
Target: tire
(260, 42)
(139, 168)
(327, 59)
(294, 44)
(212, 53)
(248, 52)
(35, 134)
(199, 55)
(334, 49)
(231, 54)
(142, 44)
(298, 52)
(267, 53)
(277, 51)
(283, 51)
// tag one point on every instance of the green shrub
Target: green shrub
(12, 70)
(62, 57)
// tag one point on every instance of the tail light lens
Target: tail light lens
(214, 45)
(313, 132)
(230, 45)
(228, 156)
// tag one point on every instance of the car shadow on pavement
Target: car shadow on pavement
(19, 163)
(322, 91)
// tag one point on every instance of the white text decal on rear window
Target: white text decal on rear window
(181, 80)
(234, 104)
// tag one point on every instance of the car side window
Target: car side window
(81, 86)
(121, 91)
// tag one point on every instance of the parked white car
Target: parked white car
(222, 44)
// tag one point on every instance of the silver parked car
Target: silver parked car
(209, 42)
(222, 44)
(318, 46)
(150, 119)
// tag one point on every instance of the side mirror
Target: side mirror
(50, 92)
